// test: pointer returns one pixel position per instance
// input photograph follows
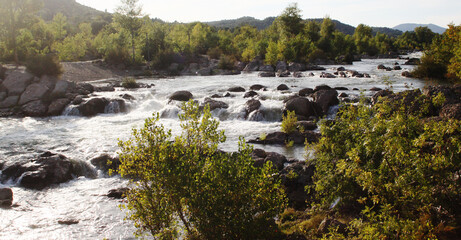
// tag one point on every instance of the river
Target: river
(37, 213)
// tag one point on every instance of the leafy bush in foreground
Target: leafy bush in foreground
(398, 175)
(214, 195)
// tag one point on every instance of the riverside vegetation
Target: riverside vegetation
(130, 38)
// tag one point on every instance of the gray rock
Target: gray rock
(6, 197)
(327, 75)
(321, 87)
(283, 73)
(213, 104)
(266, 68)
(257, 87)
(93, 106)
(57, 106)
(106, 162)
(305, 92)
(42, 171)
(3, 95)
(326, 98)
(250, 94)
(118, 193)
(35, 109)
(33, 92)
(252, 105)
(60, 88)
(204, 72)
(298, 74)
(256, 116)
(296, 67)
(236, 89)
(266, 74)
(181, 96)
(16, 82)
(9, 102)
(281, 66)
(282, 87)
(303, 108)
(252, 66)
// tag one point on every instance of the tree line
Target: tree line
(132, 38)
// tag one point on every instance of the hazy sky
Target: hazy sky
(387, 13)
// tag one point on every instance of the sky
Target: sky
(387, 13)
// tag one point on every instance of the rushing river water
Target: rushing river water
(37, 213)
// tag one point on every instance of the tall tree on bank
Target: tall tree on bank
(15, 15)
(129, 16)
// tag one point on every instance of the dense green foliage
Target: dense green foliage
(128, 38)
(289, 122)
(443, 59)
(396, 174)
(214, 195)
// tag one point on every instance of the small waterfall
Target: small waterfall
(115, 106)
(71, 110)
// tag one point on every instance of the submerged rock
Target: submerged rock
(43, 171)
(6, 197)
(183, 96)
(118, 193)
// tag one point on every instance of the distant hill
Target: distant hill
(409, 27)
(75, 12)
(263, 24)
(234, 23)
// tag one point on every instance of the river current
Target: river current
(37, 213)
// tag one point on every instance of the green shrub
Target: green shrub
(430, 68)
(289, 122)
(213, 194)
(116, 56)
(226, 62)
(129, 82)
(40, 65)
(396, 174)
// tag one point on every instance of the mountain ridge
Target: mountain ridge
(411, 26)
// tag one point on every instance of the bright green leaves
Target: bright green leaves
(394, 167)
(215, 195)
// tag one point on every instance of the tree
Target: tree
(58, 26)
(16, 15)
(291, 20)
(215, 195)
(129, 15)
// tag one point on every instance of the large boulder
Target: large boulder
(252, 66)
(252, 105)
(296, 67)
(266, 68)
(181, 96)
(303, 108)
(281, 66)
(213, 104)
(35, 109)
(9, 102)
(321, 87)
(106, 162)
(326, 98)
(93, 106)
(305, 92)
(41, 172)
(6, 197)
(57, 106)
(236, 89)
(16, 82)
(250, 94)
(266, 74)
(33, 92)
(282, 87)
(257, 87)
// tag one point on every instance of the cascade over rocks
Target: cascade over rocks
(252, 105)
